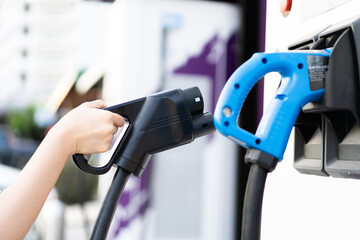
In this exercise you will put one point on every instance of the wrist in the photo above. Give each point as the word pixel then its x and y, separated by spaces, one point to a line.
pixel 62 140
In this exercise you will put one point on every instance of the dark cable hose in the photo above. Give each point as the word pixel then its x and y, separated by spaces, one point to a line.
pixel 109 205
pixel 251 221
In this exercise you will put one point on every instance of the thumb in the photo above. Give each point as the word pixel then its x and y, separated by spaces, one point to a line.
pixel 118 120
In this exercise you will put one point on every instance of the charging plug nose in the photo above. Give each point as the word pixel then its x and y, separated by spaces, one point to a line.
pixel 194 100
pixel 203 124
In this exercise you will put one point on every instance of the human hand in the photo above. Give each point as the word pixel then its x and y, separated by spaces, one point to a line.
pixel 88 129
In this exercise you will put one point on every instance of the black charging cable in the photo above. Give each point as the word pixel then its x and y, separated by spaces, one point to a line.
pixel 261 164
pixel 109 205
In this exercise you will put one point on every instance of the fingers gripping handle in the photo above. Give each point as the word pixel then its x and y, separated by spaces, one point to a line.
pixel 129 111
pixel 276 124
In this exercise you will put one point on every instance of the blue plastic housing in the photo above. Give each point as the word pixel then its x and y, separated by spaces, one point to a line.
pixel 303 75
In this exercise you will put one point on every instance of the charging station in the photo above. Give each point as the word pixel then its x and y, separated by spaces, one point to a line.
pixel 336 154
pixel 325 137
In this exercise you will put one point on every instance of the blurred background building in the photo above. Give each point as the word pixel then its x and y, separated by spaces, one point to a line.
pixel 55 54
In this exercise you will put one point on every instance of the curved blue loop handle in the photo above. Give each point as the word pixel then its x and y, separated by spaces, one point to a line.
pixel 302 73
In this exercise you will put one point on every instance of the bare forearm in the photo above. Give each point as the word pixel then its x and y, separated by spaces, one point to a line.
pixel 21 203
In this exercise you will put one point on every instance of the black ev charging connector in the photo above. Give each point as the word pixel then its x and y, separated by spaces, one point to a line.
pixel 327 133
pixel 156 123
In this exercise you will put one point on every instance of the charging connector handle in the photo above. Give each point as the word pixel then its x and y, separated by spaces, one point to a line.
pixel 157 123
pixel 303 76
pixel 129 111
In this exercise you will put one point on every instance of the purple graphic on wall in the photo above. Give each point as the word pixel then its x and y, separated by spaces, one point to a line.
pixel 216 61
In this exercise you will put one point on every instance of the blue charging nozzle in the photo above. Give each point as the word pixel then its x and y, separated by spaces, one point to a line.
pixel 302 81
pixel 303 75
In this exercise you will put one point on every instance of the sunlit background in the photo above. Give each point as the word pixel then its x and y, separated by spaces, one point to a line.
pixel 56 54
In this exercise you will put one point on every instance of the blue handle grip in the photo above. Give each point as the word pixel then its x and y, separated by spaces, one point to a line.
pixel 303 75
